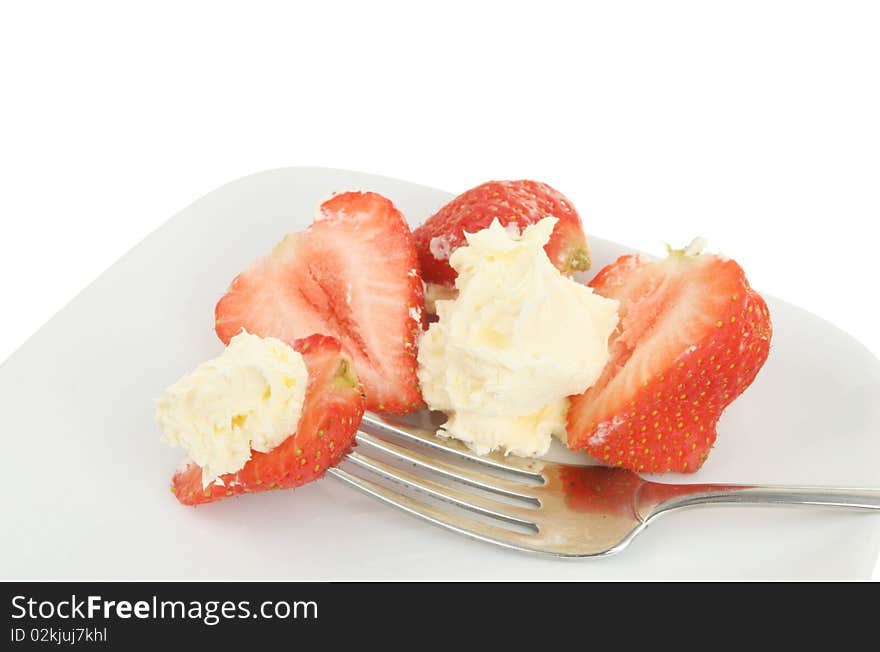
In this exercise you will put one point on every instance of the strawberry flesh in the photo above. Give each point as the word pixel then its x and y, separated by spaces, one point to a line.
pixel 352 274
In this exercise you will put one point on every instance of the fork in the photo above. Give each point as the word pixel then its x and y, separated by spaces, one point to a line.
pixel 538 506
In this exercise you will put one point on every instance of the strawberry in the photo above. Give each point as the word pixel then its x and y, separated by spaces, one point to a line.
pixel 352 274
pixel 332 411
pixel 691 338
pixel 520 203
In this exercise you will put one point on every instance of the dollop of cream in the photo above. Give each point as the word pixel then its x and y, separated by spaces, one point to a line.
pixel 248 398
pixel 518 339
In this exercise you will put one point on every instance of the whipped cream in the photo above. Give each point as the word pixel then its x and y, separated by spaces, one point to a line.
pixel 250 397
pixel 518 339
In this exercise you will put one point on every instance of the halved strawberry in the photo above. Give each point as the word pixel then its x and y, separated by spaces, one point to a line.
pixel 352 274
pixel 692 336
pixel 332 411
pixel 520 203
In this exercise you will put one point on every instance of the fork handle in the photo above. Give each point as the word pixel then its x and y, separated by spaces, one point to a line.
pixel 655 498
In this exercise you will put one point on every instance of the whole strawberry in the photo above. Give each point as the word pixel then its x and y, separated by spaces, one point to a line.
pixel 691 338
pixel 517 203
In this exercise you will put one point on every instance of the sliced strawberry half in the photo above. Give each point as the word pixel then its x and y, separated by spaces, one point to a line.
pixel 519 203
pixel 353 274
pixel 332 410
pixel 692 337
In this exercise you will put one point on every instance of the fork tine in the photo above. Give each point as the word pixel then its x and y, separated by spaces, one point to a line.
pixel 528 469
pixel 455 522
pixel 473 478
pixel 463 499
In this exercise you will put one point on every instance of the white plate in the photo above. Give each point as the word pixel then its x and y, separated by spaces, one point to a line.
pixel 86 479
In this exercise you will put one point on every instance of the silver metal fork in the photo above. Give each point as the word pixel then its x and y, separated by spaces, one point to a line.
pixel 537 506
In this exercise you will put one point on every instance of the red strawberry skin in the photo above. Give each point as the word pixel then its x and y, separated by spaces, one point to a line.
pixel 332 410
pixel 692 337
pixel 353 274
pixel 518 202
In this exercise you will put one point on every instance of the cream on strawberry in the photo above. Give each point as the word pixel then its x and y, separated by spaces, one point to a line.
pixel 515 204
pixel 250 397
pixel 519 338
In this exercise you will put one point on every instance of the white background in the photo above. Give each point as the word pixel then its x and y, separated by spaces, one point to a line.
pixel 754 124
